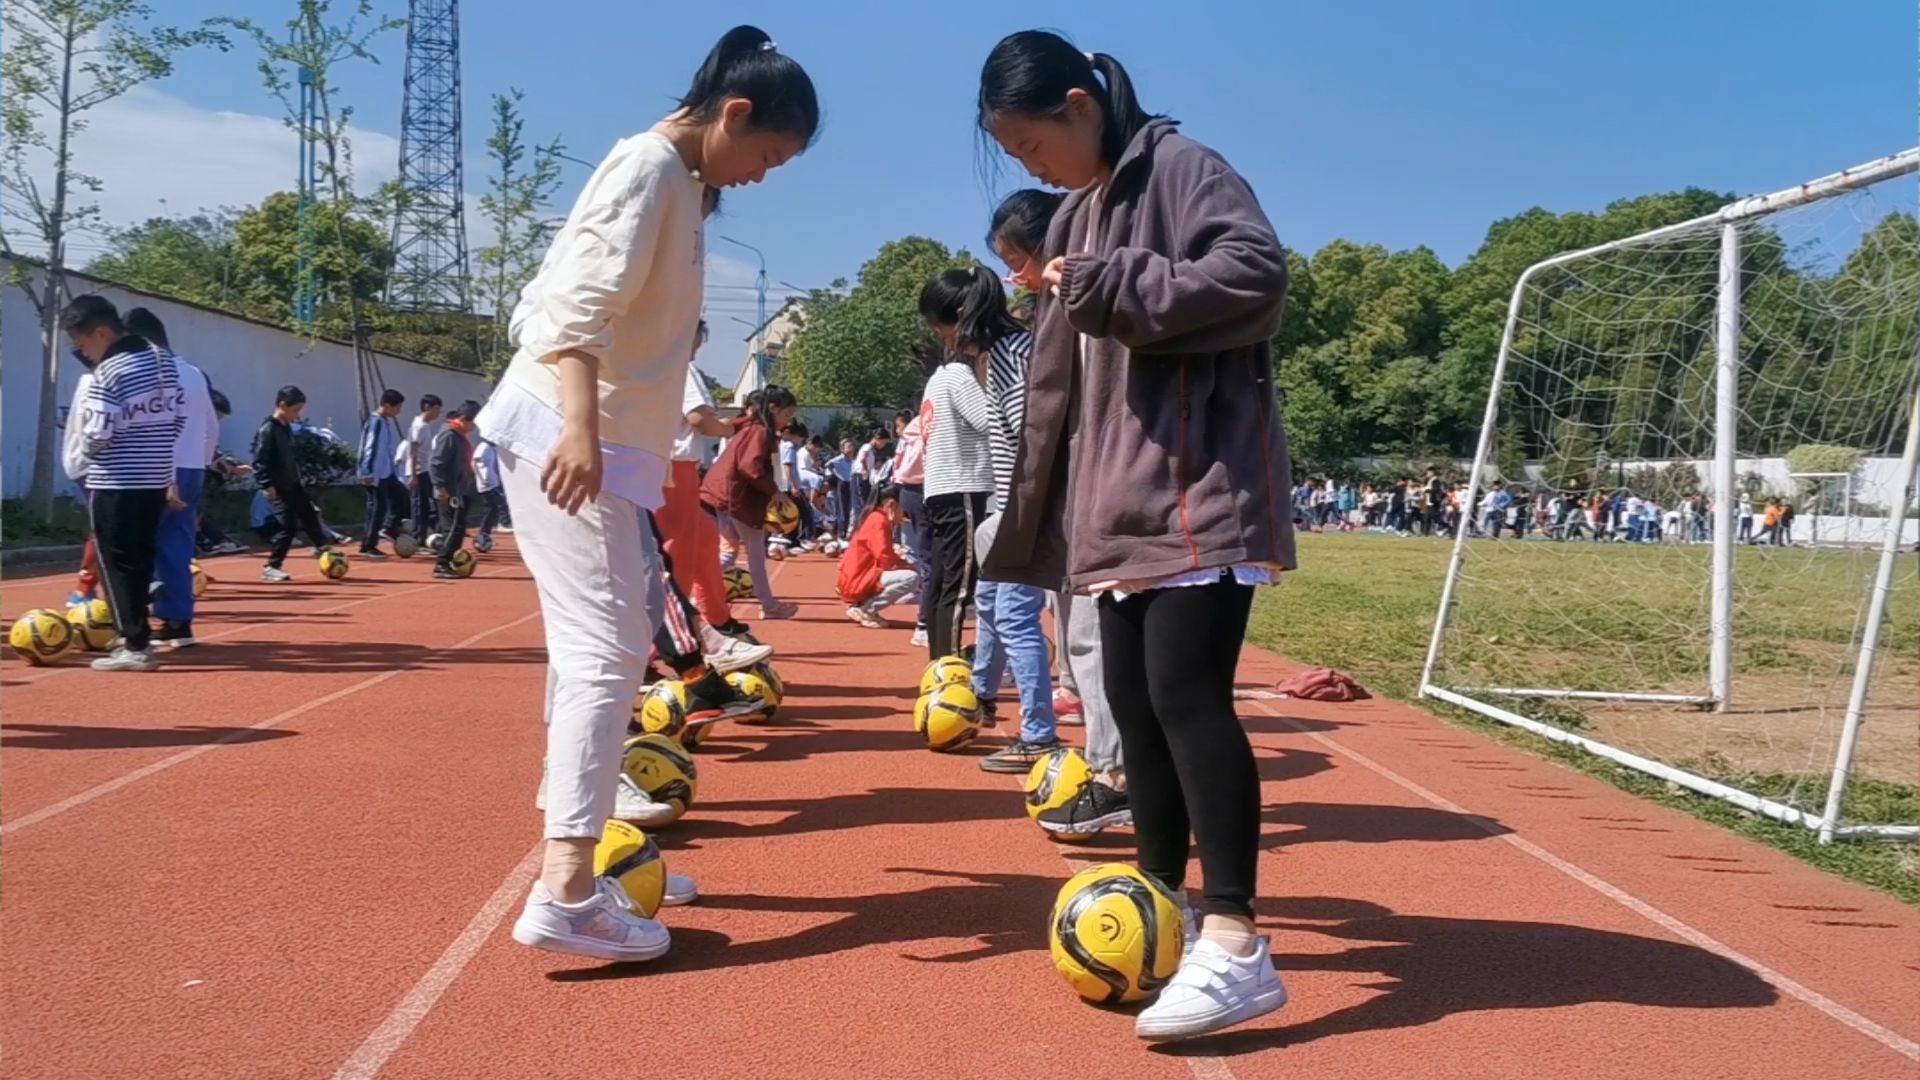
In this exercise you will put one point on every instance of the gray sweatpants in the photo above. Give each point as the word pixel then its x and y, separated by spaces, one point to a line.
pixel 1076 627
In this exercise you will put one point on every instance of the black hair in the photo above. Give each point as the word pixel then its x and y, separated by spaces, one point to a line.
pixel 88 312
pixel 290 395
pixel 710 205
pixel 752 403
pixel 884 493
pixel 797 429
pixel 221 405
pixel 1029 74
pixel 772 399
pixel 1022 218
pixel 467 409
pixel 146 324
pixel 904 416
pixel 745 64
pixel 429 401
pixel 880 433
pixel 392 397
pixel 972 302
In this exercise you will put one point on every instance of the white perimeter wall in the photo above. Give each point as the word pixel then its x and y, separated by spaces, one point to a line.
pixel 248 361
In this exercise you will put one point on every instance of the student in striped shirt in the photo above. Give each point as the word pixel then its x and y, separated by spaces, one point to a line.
pixel 131 423
pixel 968 309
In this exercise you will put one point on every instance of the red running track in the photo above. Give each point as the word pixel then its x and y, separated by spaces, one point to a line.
pixel 296 852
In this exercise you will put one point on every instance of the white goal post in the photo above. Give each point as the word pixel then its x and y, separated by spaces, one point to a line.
pixel 1711 402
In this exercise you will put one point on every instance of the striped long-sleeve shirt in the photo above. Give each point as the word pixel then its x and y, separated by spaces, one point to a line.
pixel 958 457
pixel 134 414
pixel 1007 400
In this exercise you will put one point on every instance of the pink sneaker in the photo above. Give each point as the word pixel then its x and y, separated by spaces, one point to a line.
pixel 1067 708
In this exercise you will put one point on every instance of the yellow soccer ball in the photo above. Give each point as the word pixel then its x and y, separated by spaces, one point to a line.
pixel 333 564
pixel 92 623
pixel 631 858
pixel 201 579
pixel 739 583
pixel 948 718
pixel 1116 935
pixel 662 710
pixel 751 684
pixel 662 768
pixel 1055 779
pixel 782 517
pixel 41 636
pixel 462 562
pixel 945 671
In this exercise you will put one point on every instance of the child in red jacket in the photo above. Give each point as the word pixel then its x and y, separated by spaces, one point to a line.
pixel 872 572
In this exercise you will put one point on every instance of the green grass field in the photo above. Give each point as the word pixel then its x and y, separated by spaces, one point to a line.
pixel 1587 616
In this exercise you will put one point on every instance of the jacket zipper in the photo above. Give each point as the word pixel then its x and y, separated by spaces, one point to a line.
pixel 1180 471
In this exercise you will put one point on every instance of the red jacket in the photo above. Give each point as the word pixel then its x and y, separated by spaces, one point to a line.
pixel 741 482
pixel 869 555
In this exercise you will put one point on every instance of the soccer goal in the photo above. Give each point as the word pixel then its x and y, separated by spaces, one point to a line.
pixel 1713 428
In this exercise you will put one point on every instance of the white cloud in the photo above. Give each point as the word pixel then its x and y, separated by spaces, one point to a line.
pixel 158 155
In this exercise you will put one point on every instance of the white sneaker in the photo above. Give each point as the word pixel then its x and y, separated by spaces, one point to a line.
pixel 681 891
pixel 737 655
pixel 274 573
pixel 630 804
pixel 1213 990
pixel 919 638
pixel 604 927
pixel 125 659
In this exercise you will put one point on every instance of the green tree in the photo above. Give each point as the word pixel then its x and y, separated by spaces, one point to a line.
pixel 515 201
pixel 188 257
pixel 63 59
pixel 302 54
pixel 857 348
pixel 350 257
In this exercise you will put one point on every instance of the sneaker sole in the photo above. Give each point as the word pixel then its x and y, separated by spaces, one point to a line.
pixel 585 946
pixel 1088 828
pixel 995 764
pixel 679 899
pixel 1249 1009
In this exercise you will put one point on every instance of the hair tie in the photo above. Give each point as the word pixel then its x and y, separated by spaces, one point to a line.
pixel 768 46
pixel 1089 57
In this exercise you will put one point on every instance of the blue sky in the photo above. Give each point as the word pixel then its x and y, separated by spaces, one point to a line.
pixel 1392 121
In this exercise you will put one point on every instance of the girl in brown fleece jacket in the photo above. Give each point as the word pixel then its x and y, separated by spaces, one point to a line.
pixel 1163 285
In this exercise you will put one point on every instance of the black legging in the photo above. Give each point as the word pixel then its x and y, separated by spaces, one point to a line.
pixel 1169 656
pixel 954 517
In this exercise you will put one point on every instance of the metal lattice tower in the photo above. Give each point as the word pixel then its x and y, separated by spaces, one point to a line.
pixel 429 226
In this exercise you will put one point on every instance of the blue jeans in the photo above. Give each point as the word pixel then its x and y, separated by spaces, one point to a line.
pixel 1007 633
pixel 174 549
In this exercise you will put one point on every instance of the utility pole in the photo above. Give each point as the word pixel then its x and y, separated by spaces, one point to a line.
pixel 760 306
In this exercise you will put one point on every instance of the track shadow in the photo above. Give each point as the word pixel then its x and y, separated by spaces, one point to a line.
pixel 799 744
pixel 75 737
pixel 1264 724
pixel 1353 823
pixel 1432 968
pixel 830 813
pixel 344 657
pixel 1002 913
pixel 904 693
pixel 831 713
pixel 1280 765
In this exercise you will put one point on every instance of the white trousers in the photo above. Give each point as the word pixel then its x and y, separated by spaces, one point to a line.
pixel 598 574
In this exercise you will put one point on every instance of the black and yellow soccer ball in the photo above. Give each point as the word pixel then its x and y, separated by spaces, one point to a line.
pixel 783 517
pixel 41 636
pixel 1116 935
pixel 752 684
pixel 333 564
pixel 661 767
pixel 92 623
pixel 462 562
pixel 631 858
pixel 661 710
pixel 739 583
pixel 945 671
pixel 948 718
pixel 1055 780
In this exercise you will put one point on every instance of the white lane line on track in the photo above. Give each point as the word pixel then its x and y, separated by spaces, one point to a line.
pixel 1892 1040
pixel 43 676
pixel 144 771
pixel 392 1033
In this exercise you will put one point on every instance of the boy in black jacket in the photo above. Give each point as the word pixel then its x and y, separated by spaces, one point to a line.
pixel 274 470
pixel 451 469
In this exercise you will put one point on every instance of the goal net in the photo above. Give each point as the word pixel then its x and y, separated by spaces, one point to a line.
pixel 1693 483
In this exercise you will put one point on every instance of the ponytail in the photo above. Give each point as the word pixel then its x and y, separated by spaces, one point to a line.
pixel 773 398
pixel 746 64
pixel 1030 73
pixel 973 303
